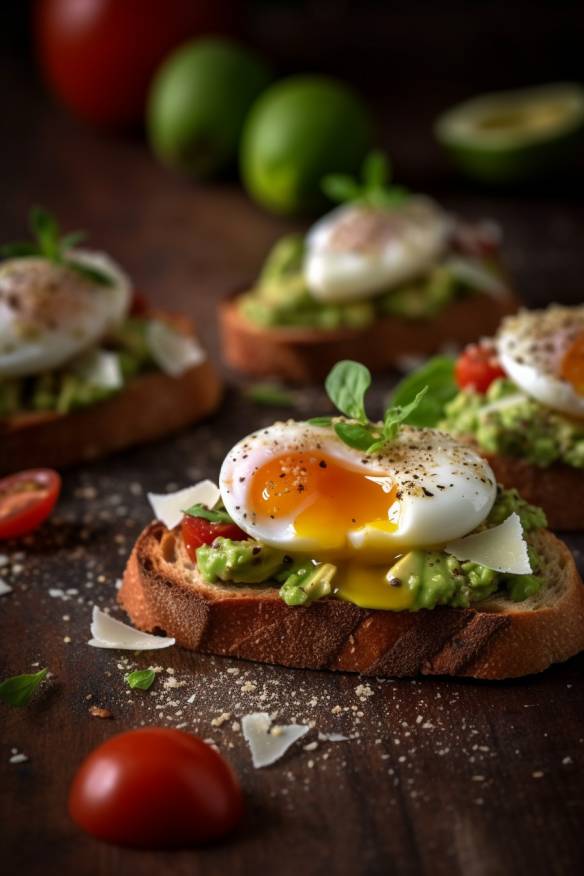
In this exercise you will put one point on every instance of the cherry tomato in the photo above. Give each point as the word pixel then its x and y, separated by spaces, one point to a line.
pixel 139 305
pixel 477 367
pixel 196 531
pixel 155 788
pixel 98 56
pixel 26 499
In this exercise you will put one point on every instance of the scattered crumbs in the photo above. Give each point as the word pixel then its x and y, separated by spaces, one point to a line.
pixel 192 699
pixel 98 712
pixel 221 719
pixel 311 746
pixel 478 778
pixel 567 760
pixel 67 639
pixel 248 687
pixel 537 774
pixel 233 670
pixel 364 691
pixel 336 710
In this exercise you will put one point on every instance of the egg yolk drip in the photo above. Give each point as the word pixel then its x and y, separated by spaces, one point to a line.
pixel 323 498
pixel 572 366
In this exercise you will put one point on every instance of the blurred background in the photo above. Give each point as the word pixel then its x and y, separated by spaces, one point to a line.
pixel 74 75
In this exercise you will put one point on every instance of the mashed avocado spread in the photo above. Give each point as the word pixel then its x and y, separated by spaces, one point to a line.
pixel 71 388
pixel 423 578
pixel 281 296
pixel 505 421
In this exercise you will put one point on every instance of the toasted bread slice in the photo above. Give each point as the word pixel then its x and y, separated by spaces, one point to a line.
pixel 150 406
pixel 163 591
pixel 303 355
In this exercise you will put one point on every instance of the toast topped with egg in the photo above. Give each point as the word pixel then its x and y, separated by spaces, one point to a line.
pixel 86 367
pixel 370 547
pixel 385 276
pixel 519 398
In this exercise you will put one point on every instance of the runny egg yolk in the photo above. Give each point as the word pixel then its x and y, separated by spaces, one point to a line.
pixel 572 367
pixel 322 497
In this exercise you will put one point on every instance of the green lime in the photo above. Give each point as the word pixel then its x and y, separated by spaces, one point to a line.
pixel 198 102
pixel 299 130
pixel 513 135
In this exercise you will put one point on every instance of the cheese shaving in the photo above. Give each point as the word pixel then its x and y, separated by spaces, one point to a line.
pixel 107 632
pixel 100 368
pixel 173 352
pixel 266 743
pixel 502 548
pixel 4 587
pixel 169 507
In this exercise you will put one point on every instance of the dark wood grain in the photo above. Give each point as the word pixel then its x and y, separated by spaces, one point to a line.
pixel 440 777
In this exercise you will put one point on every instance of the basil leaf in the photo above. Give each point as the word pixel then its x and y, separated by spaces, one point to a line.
pixel 19 249
pixel 143 679
pixel 91 273
pixel 270 394
pixel 376 170
pixel 320 421
pixel 390 197
pixel 438 376
pixel 68 241
pixel 396 415
pixel 340 187
pixel 46 231
pixel 213 516
pixel 355 435
pixel 346 386
pixel 18 690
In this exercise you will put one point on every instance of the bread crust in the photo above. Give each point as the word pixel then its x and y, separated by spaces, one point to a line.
pixel 303 355
pixel 150 406
pixel 557 488
pixel 488 643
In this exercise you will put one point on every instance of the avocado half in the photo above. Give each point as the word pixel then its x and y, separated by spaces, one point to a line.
pixel 514 135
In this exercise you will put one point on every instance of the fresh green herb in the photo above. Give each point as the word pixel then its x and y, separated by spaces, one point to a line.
pixel 308 584
pixel 374 189
pixel 346 386
pixel 18 690
pixel 438 376
pixel 270 394
pixel 213 515
pixel 49 244
pixel 143 679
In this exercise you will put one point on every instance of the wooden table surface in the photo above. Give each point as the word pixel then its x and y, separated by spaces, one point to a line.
pixel 438 776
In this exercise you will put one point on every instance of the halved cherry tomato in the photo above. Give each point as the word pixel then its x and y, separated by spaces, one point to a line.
pixel 155 788
pixel 26 499
pixel 196 531
pixel 139 305
pixel 477 367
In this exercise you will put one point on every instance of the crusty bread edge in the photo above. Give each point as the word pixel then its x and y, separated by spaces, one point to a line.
pixel 336 635
pixel 150 406
pixel 303 355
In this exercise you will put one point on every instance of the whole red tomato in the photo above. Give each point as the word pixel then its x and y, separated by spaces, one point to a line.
pixel 155 788
pixel 98 56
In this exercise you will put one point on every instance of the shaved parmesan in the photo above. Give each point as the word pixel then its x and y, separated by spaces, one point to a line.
pixel 502 548
pixel 332 737
pixel 107 632
pixel 266 743
pixel 4 587
pixel 475 275
pixel 169 507
pixel 100 368
pixel 173 352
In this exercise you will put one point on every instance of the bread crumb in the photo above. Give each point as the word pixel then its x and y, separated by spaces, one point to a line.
pixel 98 712
pixel 537 774
pixel 221 719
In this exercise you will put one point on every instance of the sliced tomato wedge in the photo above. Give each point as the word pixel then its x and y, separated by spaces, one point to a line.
pixel 477 367
pixel 196 531
pixel 26 500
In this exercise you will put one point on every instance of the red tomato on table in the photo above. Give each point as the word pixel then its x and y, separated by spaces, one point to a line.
pixel 26 499
pixel 477 367
pixel 98 56
pixel 196 531
pixel 155 788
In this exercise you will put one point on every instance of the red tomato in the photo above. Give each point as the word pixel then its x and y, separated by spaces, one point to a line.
pixel 139 305
pixel 26 499
pixel 196 531
pixel 99 55
pixel 477 367
pixel 155 788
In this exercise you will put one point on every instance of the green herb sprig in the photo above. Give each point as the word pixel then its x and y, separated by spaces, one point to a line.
pixel 346 386
pixel 143 679
pixel 213 515
pixel 374 189
pixel 18 690
pixel 50 244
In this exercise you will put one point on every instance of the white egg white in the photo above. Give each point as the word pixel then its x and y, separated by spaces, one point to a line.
pixel 50 313
pixel 531 346
pixel 355 251
pixel 445 490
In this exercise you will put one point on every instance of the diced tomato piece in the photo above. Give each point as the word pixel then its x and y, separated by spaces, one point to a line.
pixel 477 367
pixel 196 531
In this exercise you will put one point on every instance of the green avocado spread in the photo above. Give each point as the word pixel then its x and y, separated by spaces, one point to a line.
pixel 281 297
pixel 505 421
pixel 425 578
pixel 73 387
